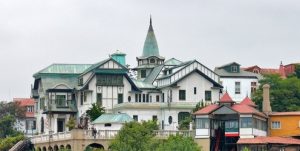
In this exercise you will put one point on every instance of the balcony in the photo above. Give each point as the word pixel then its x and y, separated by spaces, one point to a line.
pixel 59 106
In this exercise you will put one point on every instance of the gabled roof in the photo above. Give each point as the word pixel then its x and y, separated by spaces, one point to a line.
pixel 64 69
pixel 24 101
pixel 228 64
pixel 172 62
pixel 223 73
pixel 245 109
pixel 248 101
pixel 206 110
pixel 226 98
pixel 98 64
pixel 113 118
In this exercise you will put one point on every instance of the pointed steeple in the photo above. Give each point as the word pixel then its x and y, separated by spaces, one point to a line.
pixel 150 45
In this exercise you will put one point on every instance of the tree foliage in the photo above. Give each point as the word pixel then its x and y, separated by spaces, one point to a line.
pixel 178 143
pixel 284 93
pixel 135 136
pixel 7 143
pixel 71 123
pixel 12 108
pixel 95 111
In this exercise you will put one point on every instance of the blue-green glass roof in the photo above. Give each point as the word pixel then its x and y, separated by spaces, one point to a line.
pixel 150 45
pixel 113 118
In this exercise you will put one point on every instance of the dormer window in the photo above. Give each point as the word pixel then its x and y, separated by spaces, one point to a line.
pixel 234 69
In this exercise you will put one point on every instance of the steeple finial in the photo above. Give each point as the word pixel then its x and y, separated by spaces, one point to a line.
pixel 150 20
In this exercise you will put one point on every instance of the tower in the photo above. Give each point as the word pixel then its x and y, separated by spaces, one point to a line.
pixel 150 57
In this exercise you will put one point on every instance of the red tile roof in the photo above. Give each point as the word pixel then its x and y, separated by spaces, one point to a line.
pixel 207 109
pixel 246 109
pixel 248 101
pixel 269 140
pixel 285 113
pixel 25 101
pixel 226 98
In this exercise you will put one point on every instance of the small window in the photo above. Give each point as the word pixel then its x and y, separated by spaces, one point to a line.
pixel 246 122
pixel 276 125
pixel 157 98
pixel 120 98
pixel 207 95
pixel 99 99
pixel 202 123
pixel 129 98
pixel 234 69
pixel 107 125
pixel 253 87
pixel 136 97
pixel 140 97
pixel 80 82
pixel 150 98
pixel 163 97
pixel 237 87
pixel 152 60
pixel 144 97
pixel 154 118
pixel 143 73
pixel 147 97
pixel 170 120
pixel 195 90
pixel 181 94
pixel 135 117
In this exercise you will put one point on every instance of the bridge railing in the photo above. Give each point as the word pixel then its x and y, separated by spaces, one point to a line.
pixel 167 133
pixel 101 134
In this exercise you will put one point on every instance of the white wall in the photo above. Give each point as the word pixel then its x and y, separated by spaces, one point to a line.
pixel 229 85
pixel 114 126
pixel 188 84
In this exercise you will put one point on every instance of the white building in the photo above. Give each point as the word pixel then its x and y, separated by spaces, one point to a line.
pixel 165 91
pixel 237 82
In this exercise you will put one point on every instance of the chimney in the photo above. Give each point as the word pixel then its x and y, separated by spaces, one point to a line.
pixel 266 108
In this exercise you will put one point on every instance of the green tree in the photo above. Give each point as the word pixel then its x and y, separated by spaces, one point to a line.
pixel 179 143
pixel 95 111
pixel 71 123
pixel 135 136
pixel 284 93
pixel 7 143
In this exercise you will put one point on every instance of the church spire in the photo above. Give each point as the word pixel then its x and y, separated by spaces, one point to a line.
pixel 150 45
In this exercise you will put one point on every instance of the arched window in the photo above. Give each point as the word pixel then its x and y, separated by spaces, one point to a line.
pixel 129 98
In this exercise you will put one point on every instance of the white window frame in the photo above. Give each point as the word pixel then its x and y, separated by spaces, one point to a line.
pixel 235 87
pixel 273 122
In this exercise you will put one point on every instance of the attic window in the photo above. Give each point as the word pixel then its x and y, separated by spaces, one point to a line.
pixel 107 125
pixel 234 69
pixel 152 60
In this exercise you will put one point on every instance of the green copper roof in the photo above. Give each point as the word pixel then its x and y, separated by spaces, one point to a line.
pixel 113 118
pixel 65 68
pixel 150 45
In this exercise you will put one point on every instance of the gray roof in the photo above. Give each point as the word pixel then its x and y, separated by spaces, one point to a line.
pixel 153 75
pixel 143 85
pixel 113 118
pixel 228 64
pixel 242 73
pixel 172 62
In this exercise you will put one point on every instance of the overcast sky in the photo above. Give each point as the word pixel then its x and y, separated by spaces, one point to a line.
pixel 37 33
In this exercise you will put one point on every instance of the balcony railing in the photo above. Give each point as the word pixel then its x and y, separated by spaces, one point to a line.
pixel 102 134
